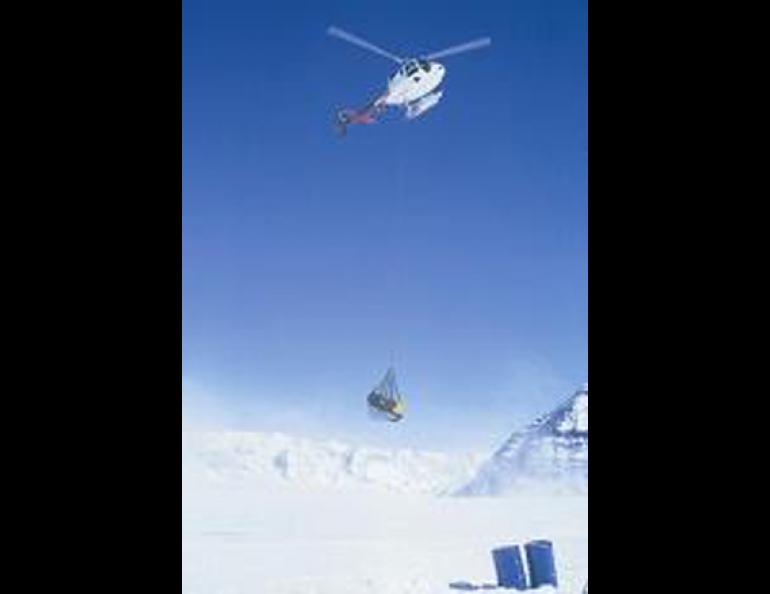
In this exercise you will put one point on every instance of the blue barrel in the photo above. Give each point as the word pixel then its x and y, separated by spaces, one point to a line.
pixel 542 569
pixel 509 568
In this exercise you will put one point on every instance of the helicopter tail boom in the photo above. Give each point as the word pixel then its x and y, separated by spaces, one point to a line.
pixel 366 115
pixel 345 117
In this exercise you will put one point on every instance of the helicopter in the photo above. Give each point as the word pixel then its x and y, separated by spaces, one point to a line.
pixel 413 87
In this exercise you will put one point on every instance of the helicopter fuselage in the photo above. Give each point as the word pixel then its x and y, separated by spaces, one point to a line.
pixel 414 80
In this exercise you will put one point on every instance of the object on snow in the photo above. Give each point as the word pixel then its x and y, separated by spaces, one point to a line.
pixel 540 563
pixel 509 567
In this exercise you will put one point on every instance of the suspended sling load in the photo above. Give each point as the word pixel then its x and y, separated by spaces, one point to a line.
pixel 385 401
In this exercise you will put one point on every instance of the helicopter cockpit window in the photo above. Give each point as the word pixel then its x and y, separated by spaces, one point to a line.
pixel 411 68
pixel 425 65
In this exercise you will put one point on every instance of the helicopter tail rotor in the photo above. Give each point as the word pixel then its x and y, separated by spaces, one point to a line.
pixel 341 120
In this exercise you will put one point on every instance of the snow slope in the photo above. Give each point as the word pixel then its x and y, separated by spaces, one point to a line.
pixel 552 453
pixel 278 461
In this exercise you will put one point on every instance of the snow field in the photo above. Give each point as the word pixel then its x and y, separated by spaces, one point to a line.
pixel 238 542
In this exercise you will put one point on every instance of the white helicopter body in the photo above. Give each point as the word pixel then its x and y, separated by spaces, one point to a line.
pixel 415 79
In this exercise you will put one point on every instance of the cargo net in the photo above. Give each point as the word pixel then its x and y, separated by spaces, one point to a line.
pixel 385 401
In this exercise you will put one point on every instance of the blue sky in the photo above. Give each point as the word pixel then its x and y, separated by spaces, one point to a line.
pixel 455 244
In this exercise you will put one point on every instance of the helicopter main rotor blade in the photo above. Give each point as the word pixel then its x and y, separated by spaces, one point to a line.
pixel 458 49
pixel 336 32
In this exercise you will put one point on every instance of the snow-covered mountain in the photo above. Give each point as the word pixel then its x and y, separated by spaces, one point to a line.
pixel 270 461
pixel 552 451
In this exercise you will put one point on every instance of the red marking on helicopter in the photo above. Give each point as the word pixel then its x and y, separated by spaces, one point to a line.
pixel 365 115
